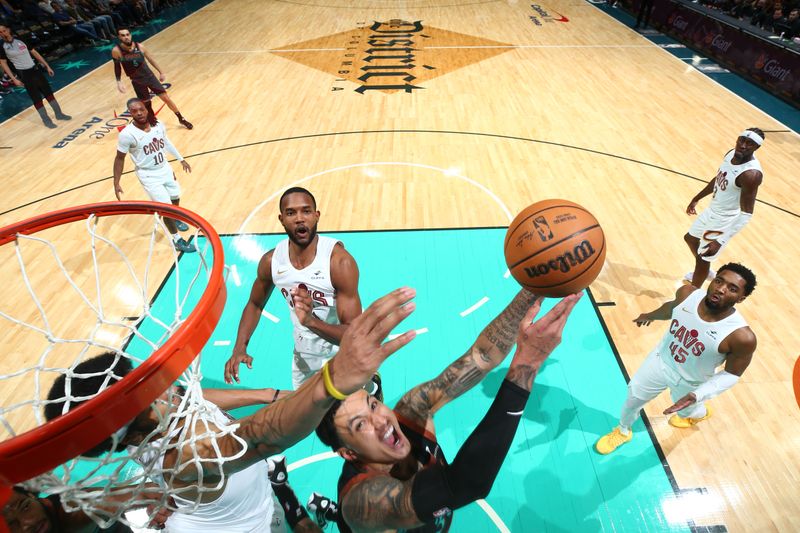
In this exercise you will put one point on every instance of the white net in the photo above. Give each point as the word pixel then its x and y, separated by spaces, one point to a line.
pixel 116 286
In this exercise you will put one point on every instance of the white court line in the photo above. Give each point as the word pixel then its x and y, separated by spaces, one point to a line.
pixel 235 275
pixel 493 516
pixel 483 504
pixel 475 306
pixel 419 331
pixel 456 47
pixel 706 76
pixel 222 343
pixel 270 316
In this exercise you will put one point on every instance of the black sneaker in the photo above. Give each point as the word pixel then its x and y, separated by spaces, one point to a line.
pixel 181 225
pixel 49 123
pixel 62 116
pixel 182 246
pixel 276 470
pixel 185 123
pixel 325 510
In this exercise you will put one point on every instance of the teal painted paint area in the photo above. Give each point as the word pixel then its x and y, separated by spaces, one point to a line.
pixel 552 480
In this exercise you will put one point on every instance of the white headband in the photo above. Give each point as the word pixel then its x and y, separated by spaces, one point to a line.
pixel 753 136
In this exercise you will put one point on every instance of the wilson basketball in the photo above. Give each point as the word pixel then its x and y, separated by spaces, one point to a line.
pixel 555 248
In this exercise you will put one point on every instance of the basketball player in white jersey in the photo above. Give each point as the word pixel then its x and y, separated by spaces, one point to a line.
pixel 233 473
pixel 734 188
pixel 317 277
pixel 705 331
pixel 147 146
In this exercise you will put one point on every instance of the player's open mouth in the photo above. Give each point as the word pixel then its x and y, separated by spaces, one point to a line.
pixel 391 438
pixel 714 298
pixel 301 231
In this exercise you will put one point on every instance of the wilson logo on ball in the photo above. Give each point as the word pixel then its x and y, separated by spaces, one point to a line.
pixel 564 262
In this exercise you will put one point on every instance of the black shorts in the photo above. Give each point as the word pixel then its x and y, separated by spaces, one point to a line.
pixel 143 86
pixel 35 83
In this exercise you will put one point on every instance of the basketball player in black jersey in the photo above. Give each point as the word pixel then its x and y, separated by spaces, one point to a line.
pixel 132 57
pixel 396 476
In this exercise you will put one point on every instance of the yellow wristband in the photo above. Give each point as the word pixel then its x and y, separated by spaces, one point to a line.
pixel 326 379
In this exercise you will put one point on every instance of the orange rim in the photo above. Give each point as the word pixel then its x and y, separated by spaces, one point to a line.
pixel 796 381
pixel 47 446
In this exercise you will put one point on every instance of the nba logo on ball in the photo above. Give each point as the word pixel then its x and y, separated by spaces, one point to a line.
pixel 555 248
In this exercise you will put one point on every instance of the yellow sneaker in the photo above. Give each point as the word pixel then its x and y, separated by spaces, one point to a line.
pixel 612 441
pixel 680 422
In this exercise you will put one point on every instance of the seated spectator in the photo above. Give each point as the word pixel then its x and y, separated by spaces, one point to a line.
pixel 101 25
pixel 762 14
pixel 778 23
pixel 68 23
pixel 789 27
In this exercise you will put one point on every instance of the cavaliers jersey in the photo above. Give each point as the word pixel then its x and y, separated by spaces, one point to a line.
pixel 316 277
pixel 727 194
pixel 427 452
pixel 690 345
pixel 245 505
pixel 133 63
pixel 147 148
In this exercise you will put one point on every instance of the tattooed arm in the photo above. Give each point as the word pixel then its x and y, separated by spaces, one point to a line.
pixel 382 502
pixel 491 347
pixel 378 503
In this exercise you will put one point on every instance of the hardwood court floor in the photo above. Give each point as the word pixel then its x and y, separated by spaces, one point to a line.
pixel 508 110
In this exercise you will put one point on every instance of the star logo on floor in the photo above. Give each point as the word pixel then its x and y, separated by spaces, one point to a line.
pixel 73 65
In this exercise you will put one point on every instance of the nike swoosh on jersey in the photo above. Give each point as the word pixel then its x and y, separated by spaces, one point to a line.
pixel 515 413
pixel 284 271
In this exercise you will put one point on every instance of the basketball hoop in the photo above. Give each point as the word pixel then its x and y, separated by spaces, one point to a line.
pixel 37 451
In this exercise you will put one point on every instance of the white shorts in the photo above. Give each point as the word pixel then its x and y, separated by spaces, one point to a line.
pixel 708 227
pixel 160 185
pixel 305 365
pixel 654 376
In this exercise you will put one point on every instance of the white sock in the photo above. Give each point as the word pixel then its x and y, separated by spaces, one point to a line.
pixel 176 237
pixel 625 431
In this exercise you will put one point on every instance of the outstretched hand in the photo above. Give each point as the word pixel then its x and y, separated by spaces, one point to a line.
pixel 362 349
pixel 537 340
pixel 681 404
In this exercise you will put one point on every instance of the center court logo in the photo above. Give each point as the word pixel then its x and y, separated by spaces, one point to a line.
pixel 542 16
pixel 391 56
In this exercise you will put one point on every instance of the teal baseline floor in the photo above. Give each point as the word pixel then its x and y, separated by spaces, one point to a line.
pixel 552 479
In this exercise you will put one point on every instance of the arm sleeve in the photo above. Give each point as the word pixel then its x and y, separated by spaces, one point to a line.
pixel 716 385
pixel 117 69
pixel 471 475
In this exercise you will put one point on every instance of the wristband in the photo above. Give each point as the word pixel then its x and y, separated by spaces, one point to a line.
pixel 329 388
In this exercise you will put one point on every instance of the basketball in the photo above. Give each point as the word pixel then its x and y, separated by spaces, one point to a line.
pixel 555 248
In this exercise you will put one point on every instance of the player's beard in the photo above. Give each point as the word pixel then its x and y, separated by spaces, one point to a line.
pixel 312 232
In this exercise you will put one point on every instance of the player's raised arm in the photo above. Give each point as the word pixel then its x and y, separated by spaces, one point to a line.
pixel 381 502
pixel 665 311
pixel 278 426
pixel 489 349
pixel 259 294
